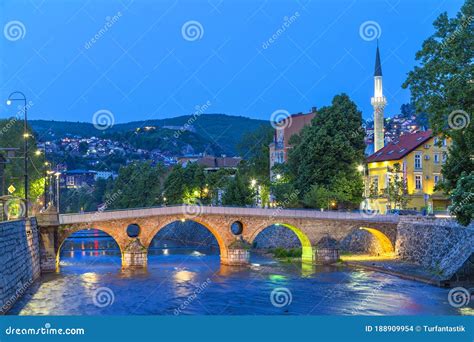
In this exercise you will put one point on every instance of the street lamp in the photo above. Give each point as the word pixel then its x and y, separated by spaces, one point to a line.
pixel 50 191
pixel 57 174
pixel 47 175
pixel 19 96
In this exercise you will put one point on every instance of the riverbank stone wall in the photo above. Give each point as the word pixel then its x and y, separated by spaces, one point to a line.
pixel 442 246
pixel 19 260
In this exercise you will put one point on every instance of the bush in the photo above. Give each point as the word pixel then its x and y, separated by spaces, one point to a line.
pixel 282 253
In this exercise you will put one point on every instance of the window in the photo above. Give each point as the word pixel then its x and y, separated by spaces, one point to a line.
pixel 436 140
pixel 70 180
pixel 436 179
pixel 436 158
pixel 375 184
pixel 418 161
pixel 445 142
pixel 445 156
pixel 418 183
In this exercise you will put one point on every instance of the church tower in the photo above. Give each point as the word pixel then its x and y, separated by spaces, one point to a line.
pixel 378 101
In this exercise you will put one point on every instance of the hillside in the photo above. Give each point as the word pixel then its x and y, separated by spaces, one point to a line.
pixel 224 131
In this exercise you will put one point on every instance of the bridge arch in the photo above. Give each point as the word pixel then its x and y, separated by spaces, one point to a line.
pixel 67 233
pixel 155 229
pixel 385 244
pixel 307 254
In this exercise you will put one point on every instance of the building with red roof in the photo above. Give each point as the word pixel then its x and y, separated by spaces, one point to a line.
pixel 418 157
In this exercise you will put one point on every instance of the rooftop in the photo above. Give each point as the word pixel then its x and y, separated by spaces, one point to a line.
pixel 401 147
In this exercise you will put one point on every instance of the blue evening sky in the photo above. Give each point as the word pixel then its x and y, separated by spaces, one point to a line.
pixel 142 67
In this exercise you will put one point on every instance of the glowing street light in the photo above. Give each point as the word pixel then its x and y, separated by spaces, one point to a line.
pixel 360 168
pixel 58 175
pixel 19 96
pixel 278 176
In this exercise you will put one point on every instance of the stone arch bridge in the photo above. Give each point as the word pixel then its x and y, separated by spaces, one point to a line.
pixel 309 225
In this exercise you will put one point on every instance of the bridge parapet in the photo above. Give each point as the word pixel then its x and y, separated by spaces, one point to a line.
pixel 233 211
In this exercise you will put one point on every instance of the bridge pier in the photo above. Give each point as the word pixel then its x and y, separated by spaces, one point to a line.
pixel 48 224
pixel 308 256
pixel 134 255
pixel 236 257
pixel 327 251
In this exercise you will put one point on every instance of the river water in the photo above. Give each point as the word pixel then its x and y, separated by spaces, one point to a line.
pixel 191 281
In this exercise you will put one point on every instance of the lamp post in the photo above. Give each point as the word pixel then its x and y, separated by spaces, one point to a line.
pixel 47 166
pixel 19 96
pixel 58 188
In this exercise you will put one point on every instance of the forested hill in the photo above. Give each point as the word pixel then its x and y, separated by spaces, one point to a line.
pixel 220 129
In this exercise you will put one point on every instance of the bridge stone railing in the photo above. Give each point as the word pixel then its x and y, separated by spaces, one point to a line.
pixel 234 211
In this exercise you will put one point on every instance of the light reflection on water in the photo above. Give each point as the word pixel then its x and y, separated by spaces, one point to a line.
pixel 193 281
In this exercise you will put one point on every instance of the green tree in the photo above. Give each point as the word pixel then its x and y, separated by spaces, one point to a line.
pixel 11 136
pixel 254 147
pixel 137 185
pixel 463 199
pixel 174 186
pixel 442 87
pixel 347 188
pixel 396 191
pixel 238 191
pixel 330 148
pixel 218 181
pixel 319 197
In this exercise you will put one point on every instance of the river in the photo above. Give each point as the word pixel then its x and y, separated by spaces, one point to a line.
pixel 191 281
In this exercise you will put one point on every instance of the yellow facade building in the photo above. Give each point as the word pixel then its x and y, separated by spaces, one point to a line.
pixel 420 159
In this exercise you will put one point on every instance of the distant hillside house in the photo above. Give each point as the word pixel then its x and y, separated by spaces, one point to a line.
pixel 420 160
pixel 74 179
pixel 288 127
pixel 105 175
pixel 211 163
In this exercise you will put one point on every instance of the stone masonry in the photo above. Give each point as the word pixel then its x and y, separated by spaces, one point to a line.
pixel 309 226
pixel 19 260
pixel 442 246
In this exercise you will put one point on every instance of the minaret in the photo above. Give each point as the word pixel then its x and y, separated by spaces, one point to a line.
pixel 378 101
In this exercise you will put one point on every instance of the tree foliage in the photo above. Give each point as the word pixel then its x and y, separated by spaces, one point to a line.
pixel 238 192
pixel 137 185
pixel 442 86
pixel 11 136
pixel 463 199
pixel 328 151
pixel 396 191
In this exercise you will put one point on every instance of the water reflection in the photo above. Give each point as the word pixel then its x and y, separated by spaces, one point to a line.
pixel 193 280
